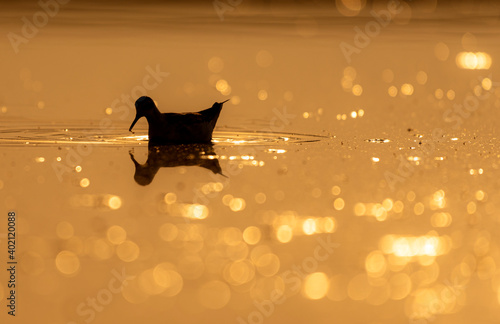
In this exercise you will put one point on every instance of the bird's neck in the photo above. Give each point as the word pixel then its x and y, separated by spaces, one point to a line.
pixel 154 116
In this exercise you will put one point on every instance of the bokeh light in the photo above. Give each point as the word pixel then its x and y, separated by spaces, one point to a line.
pixel 316 285
pixel 215 65
pixel 442 51
pixel 116 234
pixel 252 235
pixel 84 183
pixel 473 60
pixel 67 263
pixel 128 251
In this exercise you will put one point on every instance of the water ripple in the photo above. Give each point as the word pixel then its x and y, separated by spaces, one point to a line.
pixel 53 135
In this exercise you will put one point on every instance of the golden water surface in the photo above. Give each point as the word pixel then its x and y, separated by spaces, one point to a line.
pixel 353 175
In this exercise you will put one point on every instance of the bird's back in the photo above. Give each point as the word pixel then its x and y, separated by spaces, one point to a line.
pixel 176 128
pixel 185 127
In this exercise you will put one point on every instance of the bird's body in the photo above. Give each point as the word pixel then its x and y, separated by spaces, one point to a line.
pixel 175 128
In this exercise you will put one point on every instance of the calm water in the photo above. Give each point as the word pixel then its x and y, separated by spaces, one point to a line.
pixel 351 179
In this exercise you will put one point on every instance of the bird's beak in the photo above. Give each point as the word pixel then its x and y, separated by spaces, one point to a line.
pixel 137 117
pixel 224 101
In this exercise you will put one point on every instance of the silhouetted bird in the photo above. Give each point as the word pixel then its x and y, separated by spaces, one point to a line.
pixel 173 128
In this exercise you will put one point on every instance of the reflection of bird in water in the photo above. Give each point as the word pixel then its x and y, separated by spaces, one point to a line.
pixel 172 128
pixel 202 155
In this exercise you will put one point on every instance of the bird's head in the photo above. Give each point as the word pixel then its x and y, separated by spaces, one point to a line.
pixel 144 106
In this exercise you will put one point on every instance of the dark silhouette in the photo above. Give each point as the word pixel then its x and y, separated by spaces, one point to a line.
pixel 172 128
pixel 167 156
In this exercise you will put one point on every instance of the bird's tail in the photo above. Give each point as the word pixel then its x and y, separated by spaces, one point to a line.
pixel 212 113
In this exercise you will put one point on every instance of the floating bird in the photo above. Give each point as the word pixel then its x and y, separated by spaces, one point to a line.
pixel 173 128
